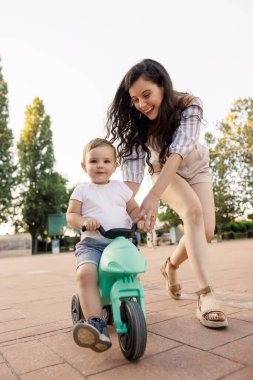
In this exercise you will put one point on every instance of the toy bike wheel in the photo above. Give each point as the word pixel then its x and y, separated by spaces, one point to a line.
pixel 133 343
pixel 107 314
pixel 76 311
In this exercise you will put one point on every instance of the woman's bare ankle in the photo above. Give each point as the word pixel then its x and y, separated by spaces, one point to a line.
pixel 171 270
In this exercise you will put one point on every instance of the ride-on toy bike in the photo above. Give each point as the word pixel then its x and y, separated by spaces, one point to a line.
pixel 121 292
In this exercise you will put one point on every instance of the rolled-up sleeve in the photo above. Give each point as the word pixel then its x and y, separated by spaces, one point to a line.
pixel 133 168
pixel 187 134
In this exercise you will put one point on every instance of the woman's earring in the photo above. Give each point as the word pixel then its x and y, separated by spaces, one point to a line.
pixel 131 103
pixel 140 115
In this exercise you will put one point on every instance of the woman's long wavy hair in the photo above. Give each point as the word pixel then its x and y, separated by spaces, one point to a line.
pixel 130 129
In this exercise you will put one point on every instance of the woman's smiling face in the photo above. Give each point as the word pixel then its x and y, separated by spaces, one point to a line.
pixel 146 97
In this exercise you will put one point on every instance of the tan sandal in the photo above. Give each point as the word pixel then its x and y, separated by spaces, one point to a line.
pixel 207 307
pixel 172 289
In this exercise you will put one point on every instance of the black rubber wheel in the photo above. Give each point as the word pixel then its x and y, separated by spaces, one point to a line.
pixel 107 314
pixel 76 311
pixel 133 343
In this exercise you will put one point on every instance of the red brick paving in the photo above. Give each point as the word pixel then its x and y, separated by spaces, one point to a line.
pixel 35 323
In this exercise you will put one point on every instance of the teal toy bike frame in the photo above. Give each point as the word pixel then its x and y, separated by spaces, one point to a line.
pixel 121 292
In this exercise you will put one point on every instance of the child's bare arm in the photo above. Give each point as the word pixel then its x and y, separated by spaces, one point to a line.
pixel 73 215
pixel 132 210
pixel 75 218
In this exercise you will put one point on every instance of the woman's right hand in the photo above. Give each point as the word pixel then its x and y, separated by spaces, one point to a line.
pixel 91 224
pixel 148 211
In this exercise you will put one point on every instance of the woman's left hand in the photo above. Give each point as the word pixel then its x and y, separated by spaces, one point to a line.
pixel 148 211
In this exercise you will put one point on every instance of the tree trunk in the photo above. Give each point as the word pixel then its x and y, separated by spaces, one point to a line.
pixel 34 244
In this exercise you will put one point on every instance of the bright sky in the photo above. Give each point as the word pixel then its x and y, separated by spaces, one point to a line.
pixel 74 53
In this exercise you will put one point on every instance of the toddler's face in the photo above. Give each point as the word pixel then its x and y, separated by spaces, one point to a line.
pixel 100 164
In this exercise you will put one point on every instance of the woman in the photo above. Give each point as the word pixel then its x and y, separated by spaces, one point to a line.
pixel 155 125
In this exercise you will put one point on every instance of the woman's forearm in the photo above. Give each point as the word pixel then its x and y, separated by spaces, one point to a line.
pixel 167 174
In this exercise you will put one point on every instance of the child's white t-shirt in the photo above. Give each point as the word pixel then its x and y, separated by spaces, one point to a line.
pixel 107 203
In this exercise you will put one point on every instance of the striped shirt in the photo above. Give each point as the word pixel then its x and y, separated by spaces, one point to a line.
pixel 184 140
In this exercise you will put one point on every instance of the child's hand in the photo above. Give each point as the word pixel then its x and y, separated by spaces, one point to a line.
pixel 91 224
pixel 140 225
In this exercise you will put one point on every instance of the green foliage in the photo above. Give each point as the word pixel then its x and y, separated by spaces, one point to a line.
pixel 7 167
pixel 166 214
pixel 35 148
pixel 43 190
pixel 231 160
pixel 240 226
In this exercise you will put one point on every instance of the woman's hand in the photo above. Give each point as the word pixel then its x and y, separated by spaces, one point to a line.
pixel 148 211
pixel 149 207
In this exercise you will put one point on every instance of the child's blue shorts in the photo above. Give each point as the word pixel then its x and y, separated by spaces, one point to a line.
pixel 90 250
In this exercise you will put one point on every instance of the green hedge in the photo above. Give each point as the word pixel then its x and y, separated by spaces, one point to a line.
pixel 242 226
pixel 236 235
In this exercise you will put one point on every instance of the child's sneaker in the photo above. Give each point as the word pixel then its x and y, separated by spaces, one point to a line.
pixel 93 334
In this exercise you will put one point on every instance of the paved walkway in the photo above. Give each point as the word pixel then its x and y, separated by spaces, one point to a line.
pixel 35 324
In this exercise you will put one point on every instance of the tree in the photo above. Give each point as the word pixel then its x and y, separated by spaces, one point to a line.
pixel 231 159
pixel 7 167
pixel 43 190
pixel 226 206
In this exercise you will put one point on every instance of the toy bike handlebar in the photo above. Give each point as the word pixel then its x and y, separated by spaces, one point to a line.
pixel 115 232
